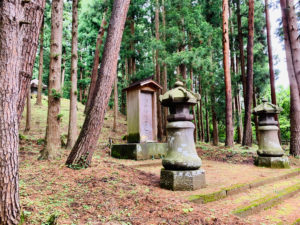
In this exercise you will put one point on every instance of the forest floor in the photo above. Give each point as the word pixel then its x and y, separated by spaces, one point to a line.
pixel 115 191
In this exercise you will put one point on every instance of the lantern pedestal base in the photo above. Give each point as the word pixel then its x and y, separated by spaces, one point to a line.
pixel 272 162
pixel 186 180
pixel 139 151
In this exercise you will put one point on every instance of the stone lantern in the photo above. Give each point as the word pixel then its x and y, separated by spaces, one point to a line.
pixel 270 153
pixel 182 164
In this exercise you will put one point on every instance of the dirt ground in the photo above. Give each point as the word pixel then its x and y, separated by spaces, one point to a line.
pixel 115 191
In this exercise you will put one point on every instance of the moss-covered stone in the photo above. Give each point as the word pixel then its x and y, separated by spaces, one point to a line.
pixel 139 151
pixel 267 201
pixel 187 180
pixel 273 162
pixel 205 198
pixel 297 222
pixel 133 138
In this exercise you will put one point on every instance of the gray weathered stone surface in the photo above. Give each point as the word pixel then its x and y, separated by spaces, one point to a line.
pixel 182 153
pixel 139 151
pixel 187 180
pixel 273 162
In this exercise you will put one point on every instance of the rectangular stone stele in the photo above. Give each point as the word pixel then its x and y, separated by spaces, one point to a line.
pixel 188 180
pixel 139 151
pixel 273 162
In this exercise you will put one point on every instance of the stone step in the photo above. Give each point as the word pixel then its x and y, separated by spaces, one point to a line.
pixel 267 201
pixel 226 205
pixel 287 212
pixel 238 188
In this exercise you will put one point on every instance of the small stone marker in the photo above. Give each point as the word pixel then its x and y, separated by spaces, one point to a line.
pixel 141 123
pixel 270 153
pixel 182 164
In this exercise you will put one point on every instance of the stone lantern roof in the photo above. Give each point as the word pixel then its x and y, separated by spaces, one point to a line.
pixel 266 108
pixel 179 95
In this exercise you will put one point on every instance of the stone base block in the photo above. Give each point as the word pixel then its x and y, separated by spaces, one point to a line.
pixel 139 151
pixel 187 180
pixel 272 162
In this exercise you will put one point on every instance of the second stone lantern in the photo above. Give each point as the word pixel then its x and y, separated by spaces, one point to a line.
pixel 182 164
pixel 270 153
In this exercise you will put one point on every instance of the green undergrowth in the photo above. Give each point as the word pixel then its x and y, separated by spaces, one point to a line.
pixel 267 201
pixel 297 222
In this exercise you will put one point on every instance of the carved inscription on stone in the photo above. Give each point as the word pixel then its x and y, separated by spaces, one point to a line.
pixel 146 117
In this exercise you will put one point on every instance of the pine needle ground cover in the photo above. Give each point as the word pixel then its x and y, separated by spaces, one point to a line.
pixel 115 191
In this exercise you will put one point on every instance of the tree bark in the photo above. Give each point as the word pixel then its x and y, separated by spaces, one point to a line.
pixel 214 121
pixel 207 138
pixel 10 42
pixel 63 71
pixel 255 117
pixel 241 47
pixel 96 62
pixel 52 146
pixel 247 136
pixel 157 75
pixel 239 119
pixel 72 132
pixel 32 21
pixel 165 70
pixel 227 76
pixel 28 111
pixel 41 64
pixel 294 85
pixel 116 104
pixel 82 152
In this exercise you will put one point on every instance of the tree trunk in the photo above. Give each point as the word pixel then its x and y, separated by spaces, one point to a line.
pixel 82 152
pixel 294 85
pixel 116 104
pixel 239 119
pixel 255 117
pixel 247 137
pixel 52 146
pixel 28 110
pixel 207 138
pixel 215 122
pixel 202 136
pixel 72 132
pixel 41 64
pixel 62 79
pixel 165 71
pixel 157 75
pixel 227 76
pixel 32 21
pixel 96 63
pixel 241 47
pixel 10 42
pixel 80 88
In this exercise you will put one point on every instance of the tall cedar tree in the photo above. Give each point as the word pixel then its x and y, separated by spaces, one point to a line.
pixel 72 132
pixel 82 152
pixel 28 111
pixel 33 17
pixel 241 46
pixel 292 49
pixel 157 74
pixel 165 70
pixel 96 63
pixel 247 137
pixel 269 40
pixel 52 146
pixel 116 104
pixel 41 64
pixel 227 76
pixel 10 43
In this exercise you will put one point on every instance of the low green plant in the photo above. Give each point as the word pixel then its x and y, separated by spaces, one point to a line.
pixel 56 94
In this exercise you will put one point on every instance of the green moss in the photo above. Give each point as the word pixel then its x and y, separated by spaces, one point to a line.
pixel 205 198
pixel 235 186
pixel 268 200
pixel 297 222
pixel 133 138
